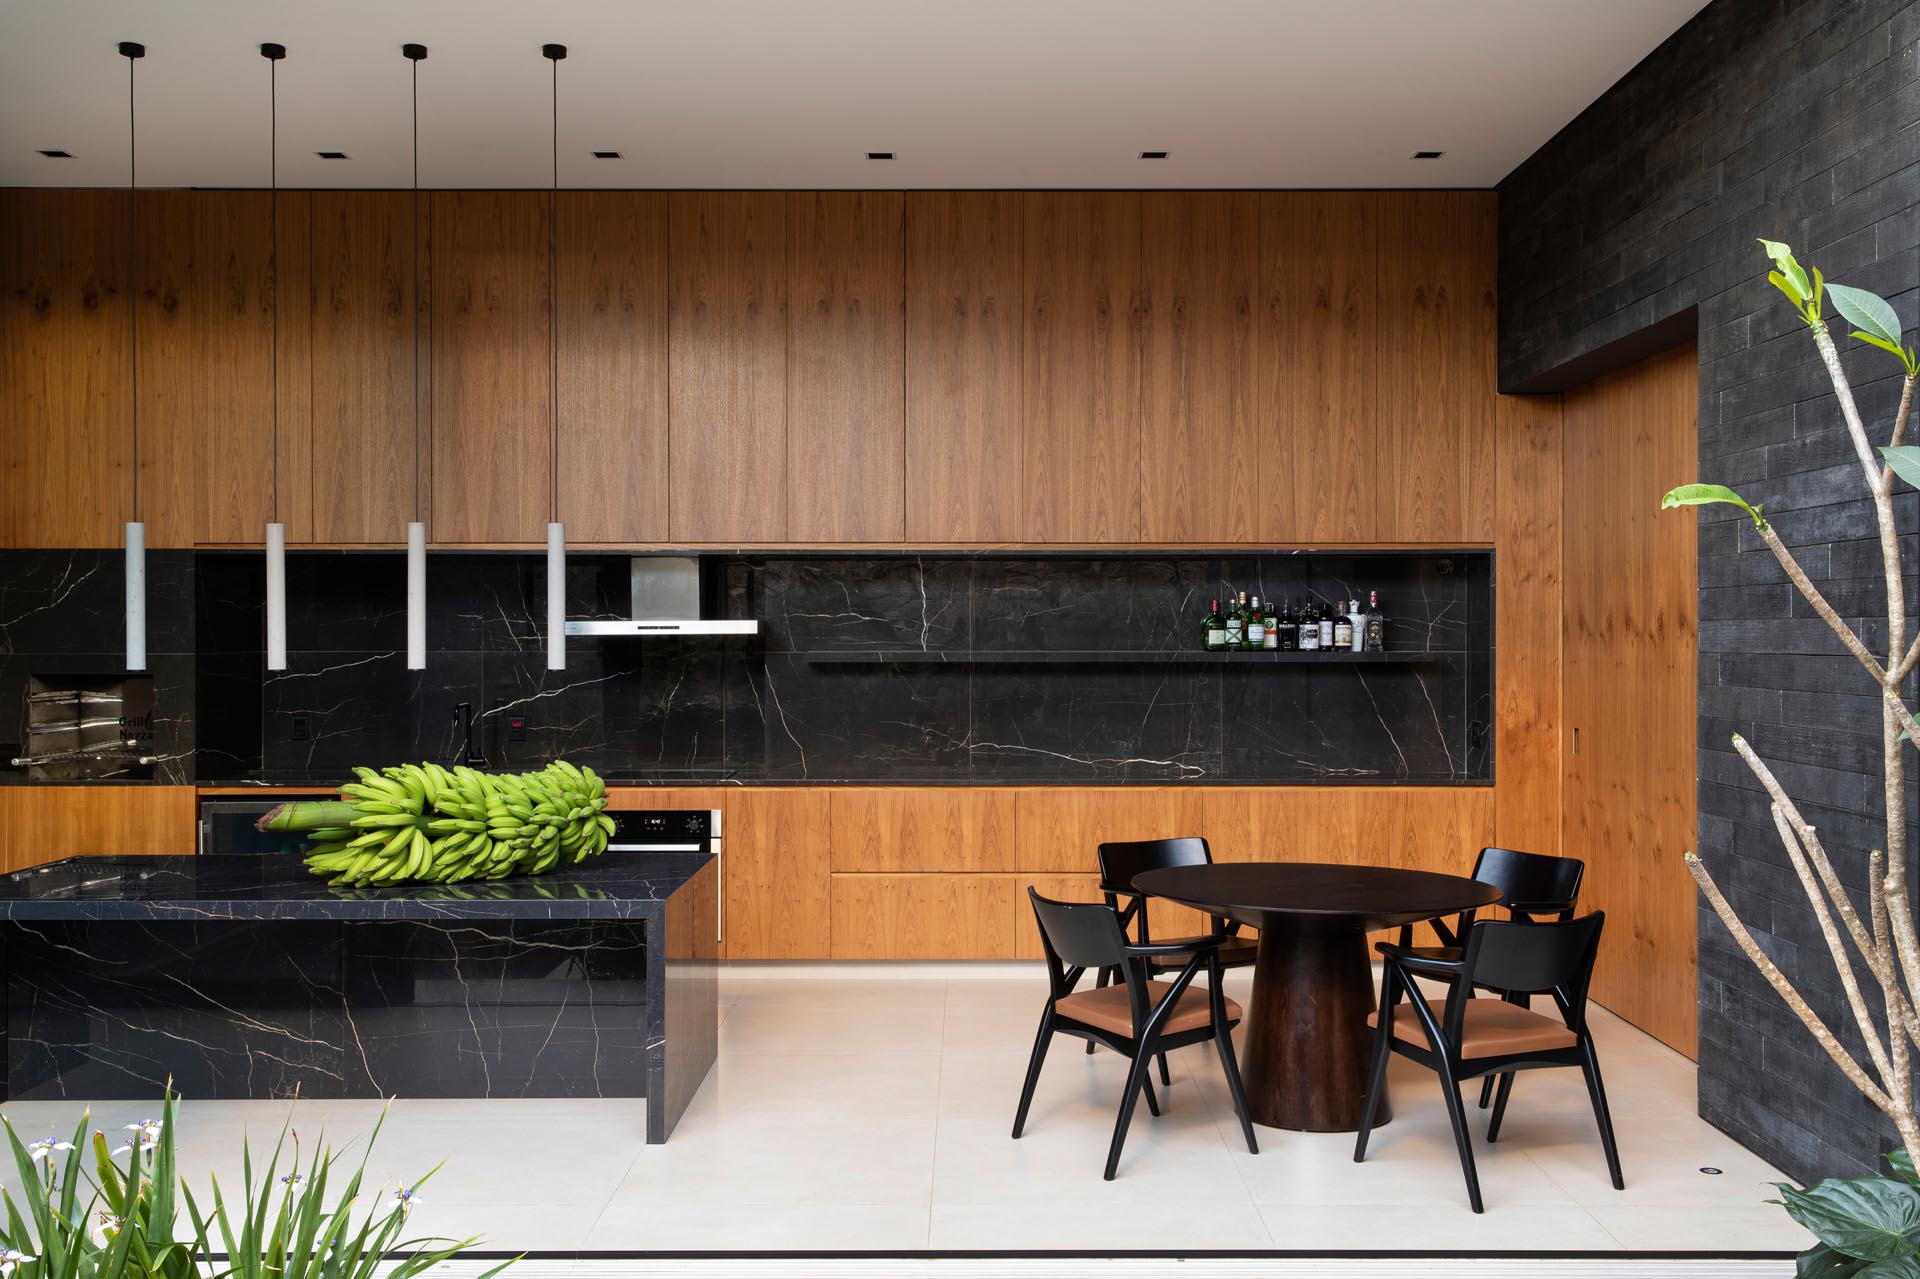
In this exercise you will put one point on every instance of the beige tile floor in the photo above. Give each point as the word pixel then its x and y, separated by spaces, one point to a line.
pixel 868 1109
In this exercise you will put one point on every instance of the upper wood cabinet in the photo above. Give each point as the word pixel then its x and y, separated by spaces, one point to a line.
pixel 1319 328
pixel 963 374
pixel 846 367
pixel 67 449
pixel 727 317
pixel 1086 319
pixel 362 445
pixel 493 442
pixel 1198 448
pixel 613 366
pixel 1436 367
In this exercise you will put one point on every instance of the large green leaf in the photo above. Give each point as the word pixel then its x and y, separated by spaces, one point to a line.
pixel 1901 1161
pixel 1822 1262
pixel 1867 311
pixel 1708 495
pixel 1791 272
pixel 1874 1218
pixel 1905 1267
pixel 1905 461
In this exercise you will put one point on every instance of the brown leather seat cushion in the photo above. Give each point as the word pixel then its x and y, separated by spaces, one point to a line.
pixel 1493 1028
pixel 1110 1008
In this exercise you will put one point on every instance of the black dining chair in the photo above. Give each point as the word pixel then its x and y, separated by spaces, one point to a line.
pixel 1461 1037
pixel 1138 1017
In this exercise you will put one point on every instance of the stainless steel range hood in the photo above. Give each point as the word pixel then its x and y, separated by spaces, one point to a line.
pixel 665 591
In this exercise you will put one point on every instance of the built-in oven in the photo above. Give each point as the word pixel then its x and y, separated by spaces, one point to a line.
pixel 675 830
pixel 226 822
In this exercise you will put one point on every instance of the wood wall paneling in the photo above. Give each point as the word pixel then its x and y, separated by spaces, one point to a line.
pixel 612 295
pixel 1198 446
pixel 1436 366
pixel 361 449
pixel 65 468
pixel 1631 623
pixel 924 916
pixel 1318 345
pixel 1526 674
pixel 1085 347
pixel 897 828
pixel 963 366
pixel 778 855
pixel 293 450
pixel 47 823
pixel 492 373
pixel 727 308
pixel 846 367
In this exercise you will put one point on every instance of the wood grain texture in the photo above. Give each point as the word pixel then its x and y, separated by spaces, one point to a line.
pixel 66 448
pixel 923 917
pixel 1198 445
pixel 293 469
pixel 891 828
pixel 362 456
pixel 47 823
pixel 1421 828
pixel 1526 677
pixel 492 373
pixel 963 366
pixel 846 366
pixel 1631 623
pixel 612 295
pixel 1085 342
pixel 1060 828
pixel 1436 366
pixel 727 309
pixel 1318 342
pixel 778 855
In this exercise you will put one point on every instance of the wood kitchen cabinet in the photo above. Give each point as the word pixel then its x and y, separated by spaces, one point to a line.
pixel 44 823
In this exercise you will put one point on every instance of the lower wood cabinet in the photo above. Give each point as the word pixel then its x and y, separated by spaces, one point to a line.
pixel 923 916
pixel 40 824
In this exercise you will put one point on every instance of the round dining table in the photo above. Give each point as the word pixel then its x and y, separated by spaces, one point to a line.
pixel 1308 1045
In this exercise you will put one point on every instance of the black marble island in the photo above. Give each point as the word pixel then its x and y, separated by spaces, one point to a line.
pixel 246 976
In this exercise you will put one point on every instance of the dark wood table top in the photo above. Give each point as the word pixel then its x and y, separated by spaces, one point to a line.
pixel 1261 894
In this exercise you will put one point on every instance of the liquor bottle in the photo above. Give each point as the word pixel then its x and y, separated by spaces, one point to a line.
pixel 1376 624
pixel 1256 626
pixel 1273 628
pixel 1310 628
pixel 1326 626
pixel 1236 623
pixel 1289 629
pixel 1214 630
pixel 1358 623
pixel 1342 628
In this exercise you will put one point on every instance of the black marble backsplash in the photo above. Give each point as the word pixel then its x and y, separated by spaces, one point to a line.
pixel 786 706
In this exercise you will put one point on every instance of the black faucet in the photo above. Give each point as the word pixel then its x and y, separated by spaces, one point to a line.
pixel 463 720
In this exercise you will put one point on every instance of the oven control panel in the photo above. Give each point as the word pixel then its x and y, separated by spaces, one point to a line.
pixel 665 825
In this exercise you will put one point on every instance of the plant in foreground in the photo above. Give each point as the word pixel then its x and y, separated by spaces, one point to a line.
pixel 1867 1226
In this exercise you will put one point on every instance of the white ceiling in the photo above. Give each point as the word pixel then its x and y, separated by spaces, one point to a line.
pixel 792 93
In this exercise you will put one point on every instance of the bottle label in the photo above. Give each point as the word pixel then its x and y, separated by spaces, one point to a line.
pixel 1216 636
pixel 1343 635
pixel 1273 639
pixel 1326 634
pixel 1257 632
pixel 1309 637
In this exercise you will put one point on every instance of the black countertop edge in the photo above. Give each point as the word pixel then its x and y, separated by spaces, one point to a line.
pixel 909 783
pixel 1201 552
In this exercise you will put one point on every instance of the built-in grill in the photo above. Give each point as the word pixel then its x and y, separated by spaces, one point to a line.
pixel 84 727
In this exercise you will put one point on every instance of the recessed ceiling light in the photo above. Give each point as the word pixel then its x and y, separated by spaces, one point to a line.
pixel 1428 155
pixel 331 155
pixel 58 155
pixel 1153 155
pixel 606 155
pixel 879 155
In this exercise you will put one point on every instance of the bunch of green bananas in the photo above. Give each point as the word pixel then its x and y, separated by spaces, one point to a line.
pixel 423 823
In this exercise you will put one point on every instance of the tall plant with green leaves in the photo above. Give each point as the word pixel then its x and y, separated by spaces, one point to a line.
pixel 1867 1226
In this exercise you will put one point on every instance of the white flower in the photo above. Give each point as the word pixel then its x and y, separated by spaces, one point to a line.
pixel 147 1133
pixel 293 1181
pixel 105 1227
pixel 12 1258
pixel 41 1149
pixel 404 1199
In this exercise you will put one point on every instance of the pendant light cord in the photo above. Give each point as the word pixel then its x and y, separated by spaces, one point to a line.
pixel 553 293
pixel 133 286
pixel 415 272
pixel 273 256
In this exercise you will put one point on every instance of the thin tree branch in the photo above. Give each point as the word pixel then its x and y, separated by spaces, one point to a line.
pixel 1813 596
pixel 1900 414
pixel 1900 916
pixel 1849 411
pixel 1898 1026
pixel 1783 806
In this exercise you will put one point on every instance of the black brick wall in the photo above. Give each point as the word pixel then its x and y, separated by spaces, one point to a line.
pixel 1798 120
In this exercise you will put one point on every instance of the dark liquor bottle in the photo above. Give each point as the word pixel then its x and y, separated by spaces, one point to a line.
pixel 1376 624
pixel 1256 626
pixel 1236 623
pixel 1310 628
pixel 1343 625
pixel 1289 629
pixel 1325 623
pixel 1214 630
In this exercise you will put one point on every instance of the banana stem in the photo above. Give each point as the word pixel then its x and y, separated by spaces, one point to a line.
pixel 308 816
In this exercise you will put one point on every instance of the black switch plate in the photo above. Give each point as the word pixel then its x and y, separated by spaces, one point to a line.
pixel 300 729
pixel 516 729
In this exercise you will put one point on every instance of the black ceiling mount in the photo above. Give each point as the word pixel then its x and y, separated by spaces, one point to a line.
pixel 1428 155
pixel 554 51
pixel 418 52
pixel 1153 155
pixel 879 155
pixel 131 49
pixel 606 155
pixel 58 155
pixel 273 51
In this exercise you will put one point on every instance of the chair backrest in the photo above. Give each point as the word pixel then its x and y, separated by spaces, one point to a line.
pixel 1529 959
pixel 1121 860
pixel 1530 877
pixel 1079 934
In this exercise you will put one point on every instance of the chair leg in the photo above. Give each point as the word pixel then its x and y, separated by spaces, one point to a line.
pixel 1376 1084
pixel 1153 1100
pixel 1033 1069
pixel 1099 979
pixel 1457 1114
pixel 1590 1066
pixel 1486 1091
pixel 1136 1080
pixel 1223 1044
pixel 1165 1080
pixel 1500 1104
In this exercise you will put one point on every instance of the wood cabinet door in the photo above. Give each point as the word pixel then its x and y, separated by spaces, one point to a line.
pixel 727 308
pixel 47 823
pixel 846 367
pixel 364 466
pixel 1060 829
pixel 923 916
pixel 922 828
pixel 777 847
pixel 1436 366
pixel 964 430
pixel 493 442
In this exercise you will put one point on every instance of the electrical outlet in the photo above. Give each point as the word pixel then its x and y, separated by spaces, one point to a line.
pixel 300 729
pixel 516 729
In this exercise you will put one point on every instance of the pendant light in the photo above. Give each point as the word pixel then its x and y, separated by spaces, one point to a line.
pixel 276 531
pixel 136 531
pixel 417 529
pixel 556 531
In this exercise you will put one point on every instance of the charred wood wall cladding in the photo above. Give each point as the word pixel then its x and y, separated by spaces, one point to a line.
pixel 1798 120
pixel 868 669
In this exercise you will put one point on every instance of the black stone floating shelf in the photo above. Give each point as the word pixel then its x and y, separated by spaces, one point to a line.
pixel 1074 657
